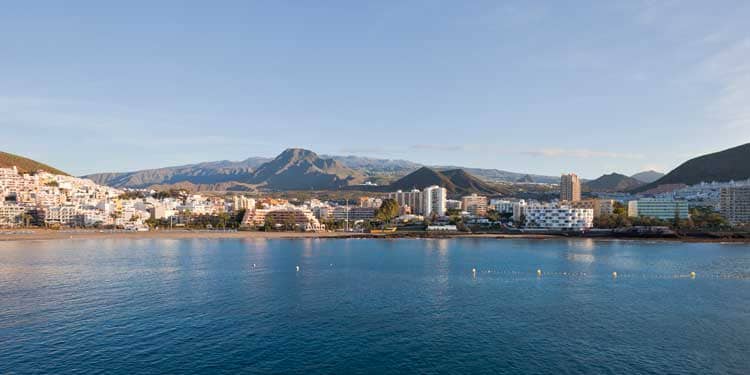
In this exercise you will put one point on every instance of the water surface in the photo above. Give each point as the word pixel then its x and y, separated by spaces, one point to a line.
pixel 373 306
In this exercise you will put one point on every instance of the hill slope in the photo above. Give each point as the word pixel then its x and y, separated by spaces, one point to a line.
pixel 300 169
pixel 613 182
pixel 456 181
pixel 647 176
pixel 730 164
pixel 25 165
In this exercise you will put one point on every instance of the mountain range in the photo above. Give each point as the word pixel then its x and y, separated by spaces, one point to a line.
pixel 219 173
pixel 299 169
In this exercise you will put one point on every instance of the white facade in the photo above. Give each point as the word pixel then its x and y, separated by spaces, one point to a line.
pixel 559 217
pixel 433 200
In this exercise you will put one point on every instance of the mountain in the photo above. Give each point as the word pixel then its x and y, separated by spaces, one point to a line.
pixel 498 175
pixel 456 181
pixel 25 165
pixel 300 169
pixel 218 174
pixel 374 165
pixel 727 165
pixel 214 172
pixel 648 176
pixel 613 182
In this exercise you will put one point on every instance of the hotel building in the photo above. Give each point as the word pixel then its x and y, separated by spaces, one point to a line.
pixel 570 188
pixel 734 204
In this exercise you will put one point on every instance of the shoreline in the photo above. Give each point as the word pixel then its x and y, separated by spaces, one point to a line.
pixel 49 235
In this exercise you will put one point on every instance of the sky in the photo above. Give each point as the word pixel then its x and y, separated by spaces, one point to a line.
pixel 541 87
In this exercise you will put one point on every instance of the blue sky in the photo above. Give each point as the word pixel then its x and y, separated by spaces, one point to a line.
pixel 529 86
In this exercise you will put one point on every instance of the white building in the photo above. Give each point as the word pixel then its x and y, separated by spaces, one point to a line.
pixel 556 217
pixel 433 200
pixel 659 208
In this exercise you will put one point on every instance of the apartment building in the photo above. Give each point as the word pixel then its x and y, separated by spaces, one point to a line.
pixel 659 208
pixel 734 204
pixel 475 204
pixel 556 217
pixel 570 188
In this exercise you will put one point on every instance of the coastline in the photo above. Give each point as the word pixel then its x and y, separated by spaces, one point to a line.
pixel 48 235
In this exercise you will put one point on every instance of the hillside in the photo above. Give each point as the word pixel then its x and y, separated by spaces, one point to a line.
pixel 456 181
pixel 647 176
pixel 25 165
pixel 299 169
pixel 613 182
pixel 727 165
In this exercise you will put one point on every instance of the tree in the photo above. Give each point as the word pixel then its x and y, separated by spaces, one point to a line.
pixel 388 210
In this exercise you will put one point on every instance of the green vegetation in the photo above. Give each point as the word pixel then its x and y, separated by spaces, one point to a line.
pixel 388 211
pixel 25 165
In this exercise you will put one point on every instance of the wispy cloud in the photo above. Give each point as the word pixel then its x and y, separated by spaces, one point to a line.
pixel 580 153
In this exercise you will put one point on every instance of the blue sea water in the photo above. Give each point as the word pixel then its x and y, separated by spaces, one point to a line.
pixel 373 306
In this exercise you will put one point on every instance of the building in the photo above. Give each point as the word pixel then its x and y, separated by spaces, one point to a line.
pixel 353 213
pixel 475 204
pixel 659 208
pixel 556 217
pixel 412 199
pixel 301 218
pixel 433 200
pixel 452 204
pixel 734 204
pixel 503 206
pixel 570 188
pixel 370 202
pixel 601 207
pixel 11 215
pixel 241 202
pixel 519 210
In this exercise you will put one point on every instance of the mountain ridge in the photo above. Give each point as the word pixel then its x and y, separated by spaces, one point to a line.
pixel 722 166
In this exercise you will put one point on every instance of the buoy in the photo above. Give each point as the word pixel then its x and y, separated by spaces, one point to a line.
pixel 297 268
pixel 692 275
pixel 614 274
pixel 539 272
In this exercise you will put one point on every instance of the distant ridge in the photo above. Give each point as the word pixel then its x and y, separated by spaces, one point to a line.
pixel 25 165
pixel 726 165
pixel 456 181
pixel 648 176
pixel 210 173
pixel 613 182
pixel 349 170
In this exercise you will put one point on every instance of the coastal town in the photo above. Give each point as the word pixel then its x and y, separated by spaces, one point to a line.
pixel 45 200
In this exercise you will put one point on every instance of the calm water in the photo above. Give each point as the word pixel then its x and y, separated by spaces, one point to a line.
pixel 373 306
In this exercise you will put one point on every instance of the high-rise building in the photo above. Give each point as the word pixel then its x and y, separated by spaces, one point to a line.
pixel 475 204
pixel 734 203
pixel 433 200
pixel 412 199
pixel 570 188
